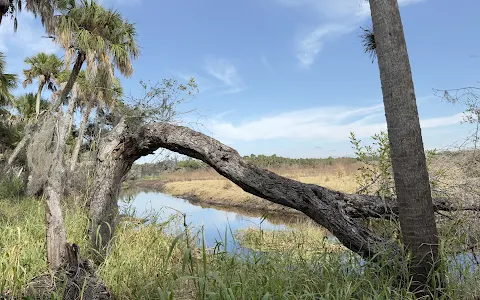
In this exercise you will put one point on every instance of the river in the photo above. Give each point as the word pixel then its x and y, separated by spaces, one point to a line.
pixel 218 221
pixel 215 221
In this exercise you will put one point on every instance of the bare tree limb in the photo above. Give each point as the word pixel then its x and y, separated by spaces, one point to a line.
pixel 336 211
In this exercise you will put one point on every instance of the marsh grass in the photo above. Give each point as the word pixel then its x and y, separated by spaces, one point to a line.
pixel 165 259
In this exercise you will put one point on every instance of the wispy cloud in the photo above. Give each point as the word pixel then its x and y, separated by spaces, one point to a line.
pixel 338 17
pixel 309 46
pixel 267 64
pixel 204 84
pixel 29 39
pixel 225 73
pixel 326 123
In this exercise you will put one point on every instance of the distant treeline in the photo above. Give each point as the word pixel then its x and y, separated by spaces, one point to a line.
pixel 263 161
pixel 274 161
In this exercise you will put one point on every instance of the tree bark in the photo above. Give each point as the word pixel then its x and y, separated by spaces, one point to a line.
pixel 331 209
pixel 110 169
pixel 416 211
pixel 336 211
pixel 81 131
pixel 39 97
pixel 56 233
pixel 54 187
pixel 71 80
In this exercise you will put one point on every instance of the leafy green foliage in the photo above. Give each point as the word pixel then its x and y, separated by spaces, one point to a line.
pixel 158 102
pixel 102 35
pixel 42 8
pixel 8 82
pixel 375 176
pixel 191 164
pixel 44 67
pixel 25 106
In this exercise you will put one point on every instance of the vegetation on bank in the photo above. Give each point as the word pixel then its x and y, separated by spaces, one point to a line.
pixel 165 260
pixel 208 187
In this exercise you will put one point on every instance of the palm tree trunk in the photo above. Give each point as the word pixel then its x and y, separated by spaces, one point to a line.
pixel 81 131
pixel 71 80
pixel 56 233
pixel 416 211
pixel 39 97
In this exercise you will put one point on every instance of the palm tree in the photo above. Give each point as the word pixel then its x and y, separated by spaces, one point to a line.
pixel 103 40
pixel 44 67
pixel 26 106
pixel 8 82
pixel 97 36
pixel 42 8
pixel 416 213
pixel 93 93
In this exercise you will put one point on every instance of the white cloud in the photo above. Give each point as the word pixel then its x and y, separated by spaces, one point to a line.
pixel 326 123
pixel 225 73
pixel 29 38
pixel 308 47
pixel 27 41
pixel 337 17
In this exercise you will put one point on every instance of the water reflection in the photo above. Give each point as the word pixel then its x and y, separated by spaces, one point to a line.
pixel 214 221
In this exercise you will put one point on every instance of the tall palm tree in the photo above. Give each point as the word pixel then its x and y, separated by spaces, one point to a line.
pixel 103 40
pixel 95 36
pixel 44 67
pixel 416 213
pixel 8 82
pixel 91 94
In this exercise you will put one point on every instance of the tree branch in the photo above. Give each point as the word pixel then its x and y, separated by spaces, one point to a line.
pixel 333 210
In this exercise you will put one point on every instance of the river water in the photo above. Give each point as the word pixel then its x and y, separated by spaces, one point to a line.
pixel 216 222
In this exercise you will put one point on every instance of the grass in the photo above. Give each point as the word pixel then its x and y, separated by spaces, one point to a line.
pixel 165 260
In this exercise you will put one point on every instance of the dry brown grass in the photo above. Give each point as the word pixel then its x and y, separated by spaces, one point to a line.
pixel 212 188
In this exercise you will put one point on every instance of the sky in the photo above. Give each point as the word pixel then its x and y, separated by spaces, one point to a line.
pixel 288 77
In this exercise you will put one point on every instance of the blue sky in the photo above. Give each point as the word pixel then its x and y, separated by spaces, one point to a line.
pixel 289 76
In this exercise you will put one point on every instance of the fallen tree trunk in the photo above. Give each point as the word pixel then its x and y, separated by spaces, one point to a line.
pixel 333 210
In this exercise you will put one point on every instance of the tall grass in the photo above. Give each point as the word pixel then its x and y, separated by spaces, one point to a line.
pixel 165 259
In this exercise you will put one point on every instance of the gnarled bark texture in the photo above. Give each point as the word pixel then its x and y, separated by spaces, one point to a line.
pixel 110 169
pixel 334 210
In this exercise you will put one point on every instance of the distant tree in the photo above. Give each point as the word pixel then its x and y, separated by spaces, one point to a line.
pixel 416 211
pixel 26 106
pixel 8 82
pixel 45 68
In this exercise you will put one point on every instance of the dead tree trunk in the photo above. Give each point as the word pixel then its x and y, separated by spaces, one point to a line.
pixel 333 210
pixel 110 169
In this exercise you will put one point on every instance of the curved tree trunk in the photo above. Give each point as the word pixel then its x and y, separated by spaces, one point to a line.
pixel 416 211
pixel 334 210
pixel 110 170
pixel 81 131
pixel 39 97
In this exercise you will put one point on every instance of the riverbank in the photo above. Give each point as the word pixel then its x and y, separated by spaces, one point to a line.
pixel 206 187
pixel 166 260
